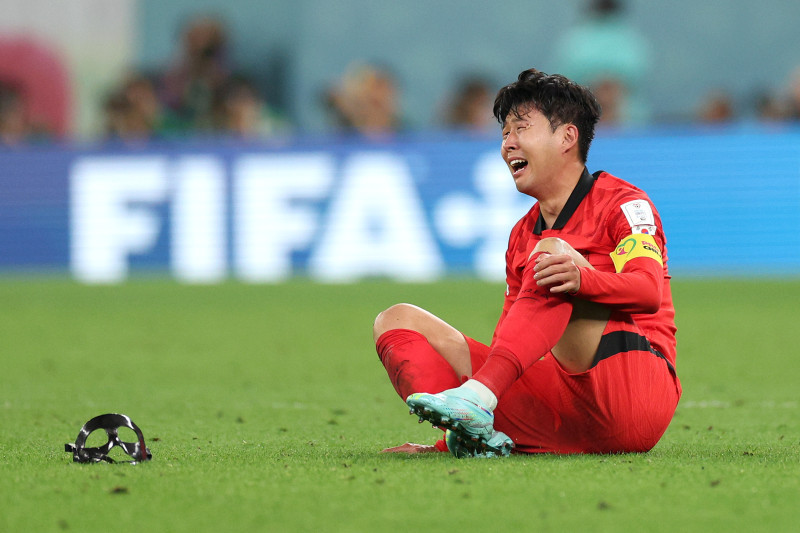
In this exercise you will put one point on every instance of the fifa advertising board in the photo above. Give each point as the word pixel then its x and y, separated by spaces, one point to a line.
pixel 414 209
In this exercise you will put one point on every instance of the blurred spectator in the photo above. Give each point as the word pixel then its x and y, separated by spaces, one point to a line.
pixel 609 55
pixel 769 107
pixel 783 105
pixel 133 112
pixel 612 95
pixel 793 101
pixel 198 72
pixel 365 100
pixel 120 122
pixel 197 94
pixel 241 112
pixel 470 108
pixel 14 126
pixel 16 123
pixel 717 108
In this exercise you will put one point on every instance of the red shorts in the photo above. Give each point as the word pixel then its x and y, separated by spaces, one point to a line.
pixel 624 403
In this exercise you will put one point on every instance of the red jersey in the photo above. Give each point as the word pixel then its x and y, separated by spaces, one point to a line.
pixel 600 214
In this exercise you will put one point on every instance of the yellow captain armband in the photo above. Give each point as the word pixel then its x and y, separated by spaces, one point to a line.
pixel 633 246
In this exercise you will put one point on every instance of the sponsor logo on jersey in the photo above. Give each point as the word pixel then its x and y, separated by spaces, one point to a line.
pixel 633 246
pixel 626 246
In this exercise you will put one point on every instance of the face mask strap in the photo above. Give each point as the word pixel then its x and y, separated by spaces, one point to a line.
pixel 110 423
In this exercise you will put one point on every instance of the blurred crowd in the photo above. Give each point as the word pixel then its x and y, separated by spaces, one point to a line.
pixel 198 92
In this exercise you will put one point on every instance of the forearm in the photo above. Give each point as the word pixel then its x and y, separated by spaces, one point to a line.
pixel 637 289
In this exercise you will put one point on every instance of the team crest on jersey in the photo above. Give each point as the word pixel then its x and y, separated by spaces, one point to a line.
pixel 639 214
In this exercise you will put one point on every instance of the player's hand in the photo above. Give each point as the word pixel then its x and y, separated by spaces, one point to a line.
pixel 410 447
pixel 559 272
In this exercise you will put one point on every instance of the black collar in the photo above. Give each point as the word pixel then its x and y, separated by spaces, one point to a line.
pixel 584 185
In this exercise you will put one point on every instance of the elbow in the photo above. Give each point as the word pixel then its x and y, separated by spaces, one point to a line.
pixel 650 301
pixel 651 305
pixel 651 284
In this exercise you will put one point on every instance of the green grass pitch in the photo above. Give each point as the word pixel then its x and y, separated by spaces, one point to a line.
pixel 265 408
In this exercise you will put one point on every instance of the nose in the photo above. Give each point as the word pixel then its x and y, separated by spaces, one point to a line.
pixel 509 141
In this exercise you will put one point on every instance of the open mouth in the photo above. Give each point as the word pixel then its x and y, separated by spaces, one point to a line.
pixel 517 165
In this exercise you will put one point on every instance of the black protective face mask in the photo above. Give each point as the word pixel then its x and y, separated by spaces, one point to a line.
pixel 111 424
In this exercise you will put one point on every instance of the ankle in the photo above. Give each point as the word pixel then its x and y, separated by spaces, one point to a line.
pixel 485 395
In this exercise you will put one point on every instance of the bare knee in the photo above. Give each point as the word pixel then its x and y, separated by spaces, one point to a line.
pixel 556 246
pixel 398 316
pixel 553 245
pixel 446 340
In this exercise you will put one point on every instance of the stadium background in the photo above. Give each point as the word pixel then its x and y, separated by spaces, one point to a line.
pixel 417 205
pixel 258 391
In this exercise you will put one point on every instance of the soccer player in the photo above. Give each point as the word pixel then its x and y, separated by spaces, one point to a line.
pixel 583 357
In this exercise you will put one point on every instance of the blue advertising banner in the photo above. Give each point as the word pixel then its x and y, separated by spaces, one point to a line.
pixel 413 209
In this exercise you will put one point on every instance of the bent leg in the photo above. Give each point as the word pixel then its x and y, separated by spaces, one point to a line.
pixel 577 346
pixel 420 351
pixel 446 340
pixel 568 402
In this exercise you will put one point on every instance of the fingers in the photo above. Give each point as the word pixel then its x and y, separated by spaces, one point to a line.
pixel 548 265
pixel 559 272
pixel 560 283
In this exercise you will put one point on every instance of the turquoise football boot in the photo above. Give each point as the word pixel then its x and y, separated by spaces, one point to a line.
pixel 499 445
pixel 458 410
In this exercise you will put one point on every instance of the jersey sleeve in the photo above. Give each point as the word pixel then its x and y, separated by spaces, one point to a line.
pixel 636 286
pixel 513 282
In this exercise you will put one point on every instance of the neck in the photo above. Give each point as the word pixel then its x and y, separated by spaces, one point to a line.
pixel 552 201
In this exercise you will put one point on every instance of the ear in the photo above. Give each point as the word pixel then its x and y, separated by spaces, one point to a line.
pixel 569 137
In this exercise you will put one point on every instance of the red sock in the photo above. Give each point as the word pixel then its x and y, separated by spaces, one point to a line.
pixel 534 324
pixel 412 363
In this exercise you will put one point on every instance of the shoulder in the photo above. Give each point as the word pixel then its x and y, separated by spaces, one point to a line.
pixel 609 182
pixel 627 201
pixel 614 191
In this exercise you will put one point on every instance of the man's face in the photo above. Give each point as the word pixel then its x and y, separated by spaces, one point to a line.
pixel 531 148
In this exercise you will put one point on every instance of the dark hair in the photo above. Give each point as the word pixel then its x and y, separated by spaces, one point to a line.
pixel 559 99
